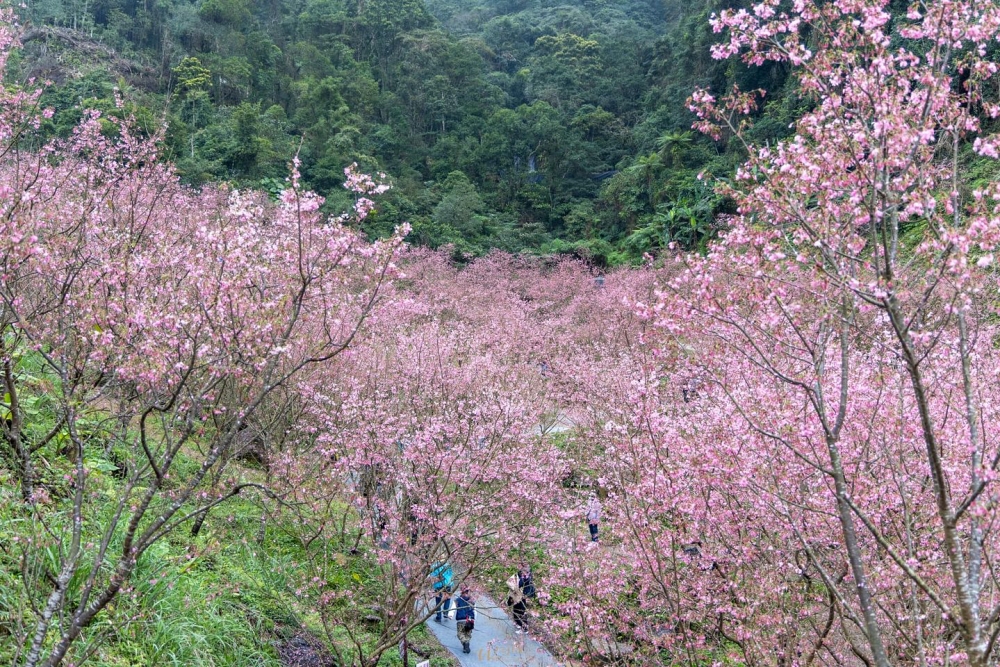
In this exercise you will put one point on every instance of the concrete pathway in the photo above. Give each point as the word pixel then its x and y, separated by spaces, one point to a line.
pixel 494 643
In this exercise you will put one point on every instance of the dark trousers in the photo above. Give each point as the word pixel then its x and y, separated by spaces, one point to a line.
pixel 441 607
pixel 520 614
pixel 593 532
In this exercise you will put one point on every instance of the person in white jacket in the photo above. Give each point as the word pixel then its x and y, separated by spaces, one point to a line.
pixel 518 604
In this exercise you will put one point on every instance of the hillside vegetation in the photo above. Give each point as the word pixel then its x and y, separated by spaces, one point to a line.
pixel 541 125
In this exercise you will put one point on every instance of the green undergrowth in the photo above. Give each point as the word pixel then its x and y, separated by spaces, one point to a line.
pixel 219 599
pixel 229 596
pixel 216 599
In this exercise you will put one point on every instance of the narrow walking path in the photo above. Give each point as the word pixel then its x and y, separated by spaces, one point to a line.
pixel 494 641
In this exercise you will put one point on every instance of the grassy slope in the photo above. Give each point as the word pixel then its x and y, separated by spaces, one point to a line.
pixel 221 598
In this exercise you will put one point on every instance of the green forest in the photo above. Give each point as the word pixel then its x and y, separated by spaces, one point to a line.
pixel 546 126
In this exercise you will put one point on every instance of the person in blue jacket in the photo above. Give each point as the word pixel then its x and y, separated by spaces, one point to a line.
pixel 442 576
pixel 465 618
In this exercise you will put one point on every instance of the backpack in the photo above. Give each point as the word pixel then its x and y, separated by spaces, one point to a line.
pixel 527 586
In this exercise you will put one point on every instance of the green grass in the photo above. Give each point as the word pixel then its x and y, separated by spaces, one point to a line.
pixel 219 608
pixel 218 599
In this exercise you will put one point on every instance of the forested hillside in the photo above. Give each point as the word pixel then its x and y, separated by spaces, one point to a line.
pixel 547 125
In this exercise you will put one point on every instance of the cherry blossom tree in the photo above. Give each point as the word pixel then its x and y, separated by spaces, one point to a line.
pixel 844 326
pixel 165 318
pixel 423 448
pixel 798 465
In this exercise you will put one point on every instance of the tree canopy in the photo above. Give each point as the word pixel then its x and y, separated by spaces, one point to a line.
pixel 550 108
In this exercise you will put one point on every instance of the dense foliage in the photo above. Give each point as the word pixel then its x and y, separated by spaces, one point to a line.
pixel 538 124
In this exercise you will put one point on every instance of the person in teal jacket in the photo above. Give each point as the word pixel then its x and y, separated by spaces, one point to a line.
pixel 442 576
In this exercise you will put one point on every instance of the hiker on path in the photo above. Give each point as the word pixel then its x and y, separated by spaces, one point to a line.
pixel 593 515
pixel 522 588
pixel 442 576
pixel 465 618
pixel 515 600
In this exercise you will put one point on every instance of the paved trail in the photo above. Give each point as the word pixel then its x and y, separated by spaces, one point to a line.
pixel 494 643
